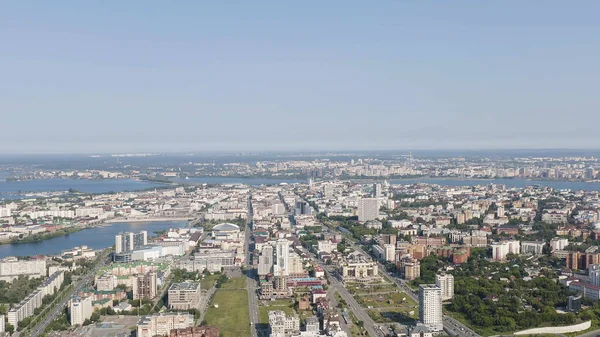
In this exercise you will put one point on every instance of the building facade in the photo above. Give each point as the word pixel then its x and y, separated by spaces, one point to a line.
pixel 430 307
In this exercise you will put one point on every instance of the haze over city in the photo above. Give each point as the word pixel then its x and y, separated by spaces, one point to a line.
pixel 265 75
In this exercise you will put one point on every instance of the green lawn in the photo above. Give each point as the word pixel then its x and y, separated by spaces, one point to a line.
pixel 208 281
pixel 387 300
pixel 232 317
pixel 402 316
pixel 368 289
pixel 235 283
pixel 263 311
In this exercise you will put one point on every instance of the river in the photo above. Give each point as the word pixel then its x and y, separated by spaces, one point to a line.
pixel 510 183
pixel 12 189
pixel 240 180
pixel 96 238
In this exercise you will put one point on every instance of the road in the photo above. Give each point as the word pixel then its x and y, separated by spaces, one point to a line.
pixel 451 325
pixel 84 281
pixel 251 275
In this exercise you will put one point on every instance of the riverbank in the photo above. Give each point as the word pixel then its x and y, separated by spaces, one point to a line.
pixel 44 236
pixel 120 220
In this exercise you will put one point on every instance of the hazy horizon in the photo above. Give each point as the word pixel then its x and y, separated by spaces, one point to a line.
pixel 131 77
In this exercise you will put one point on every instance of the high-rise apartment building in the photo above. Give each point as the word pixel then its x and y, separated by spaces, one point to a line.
pixel 11 268
pixel 282 258
pixel 80 309
pixel 368 209
pixel 265 260
pixel 2 324
pixel 127 242
pixel 145 286
pixel 430 307
pixel 377 192
pixel 594 273
pixel 446 283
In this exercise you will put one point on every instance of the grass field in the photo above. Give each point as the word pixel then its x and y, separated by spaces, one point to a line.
pixel 387 300
pixel 235 283
pixel 263 311
pixel 208 281
pixel 232 317
pixel 402 316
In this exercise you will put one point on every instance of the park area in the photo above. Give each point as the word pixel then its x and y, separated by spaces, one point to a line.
pixel 232 315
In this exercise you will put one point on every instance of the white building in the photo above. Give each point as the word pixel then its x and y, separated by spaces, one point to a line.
pixel 265 260
pixel 162 324
pixel 430 307
pixel 2 324
pixel 558 243
pixel 594 273
pixel 127 242
pixel 390 252
pixel 80 309
pixel 446 283
pixel 532 247
pixel 282 325
pixel 282 258
pixel 501 249
pixel 11 268
pixel 368 209
pixel 184 296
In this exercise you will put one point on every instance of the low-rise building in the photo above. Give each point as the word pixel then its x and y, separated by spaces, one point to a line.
pixel 184 296
pixel 162 324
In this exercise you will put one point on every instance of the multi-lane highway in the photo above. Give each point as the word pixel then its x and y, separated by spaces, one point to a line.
pixel 251 273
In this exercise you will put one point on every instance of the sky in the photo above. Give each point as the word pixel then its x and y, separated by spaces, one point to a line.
pixel 157 76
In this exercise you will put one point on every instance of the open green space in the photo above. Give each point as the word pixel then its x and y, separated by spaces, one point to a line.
pixel 265 307
pixel 395 299
pixel 232 317
pixel 235 283
pixel 208 281
pixel 389 315
pixel 356 288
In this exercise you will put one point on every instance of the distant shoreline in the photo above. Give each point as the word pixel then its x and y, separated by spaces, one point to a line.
pixel 148 220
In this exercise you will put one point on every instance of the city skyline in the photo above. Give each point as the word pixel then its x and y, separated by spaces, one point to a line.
pixel 126 77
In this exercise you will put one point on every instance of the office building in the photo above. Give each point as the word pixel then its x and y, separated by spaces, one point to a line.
pixel 80 309
pixel 128 242
pixel 145 286
pixel 357 267
pixel 446 283
pixel 265 261
pixel 184 296
pixel 368 209
pixel 11 268
pixel 430 307
pixel 163 324
pixel 282 258
pixel 282 325
pixel 574 303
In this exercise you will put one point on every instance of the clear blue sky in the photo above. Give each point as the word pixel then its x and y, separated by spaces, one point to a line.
pixel 123 76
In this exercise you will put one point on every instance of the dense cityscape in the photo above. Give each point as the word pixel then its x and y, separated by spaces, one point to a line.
pixel 299 169
pixel 336 253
